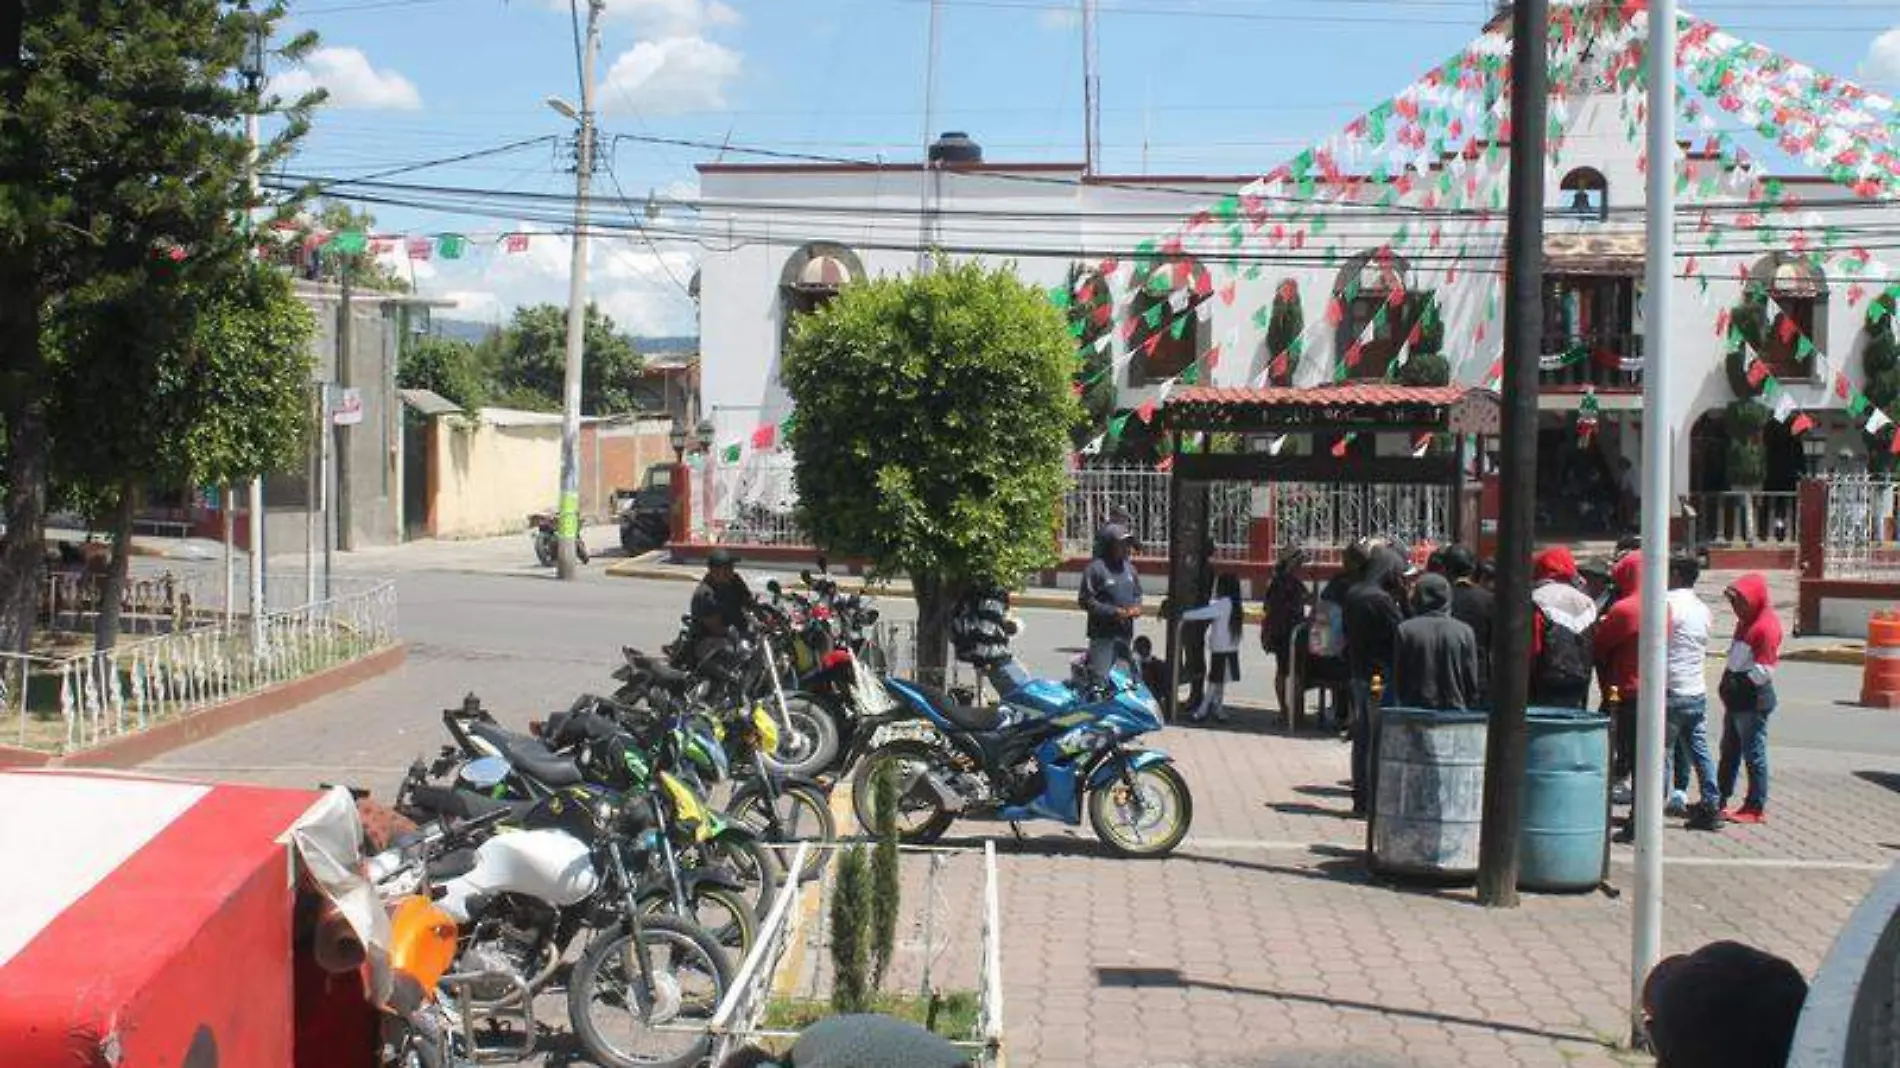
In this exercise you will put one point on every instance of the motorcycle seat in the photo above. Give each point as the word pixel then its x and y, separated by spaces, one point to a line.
pixel 457 803
pixel 962 716
pixel 532 757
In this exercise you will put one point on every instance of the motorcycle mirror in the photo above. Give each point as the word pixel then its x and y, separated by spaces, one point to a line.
pixel 772 585
pixel 821 565
pixel 804 576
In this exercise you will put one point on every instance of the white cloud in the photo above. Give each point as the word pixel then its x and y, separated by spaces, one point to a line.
pixel 351 80
pixel 1060 18
pixel 1883 58
pixel 673 18
pixel 671 76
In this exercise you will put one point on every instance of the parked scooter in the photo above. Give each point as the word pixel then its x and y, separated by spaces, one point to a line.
pixel 544 531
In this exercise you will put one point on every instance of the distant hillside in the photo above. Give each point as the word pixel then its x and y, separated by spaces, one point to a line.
pixel 465 330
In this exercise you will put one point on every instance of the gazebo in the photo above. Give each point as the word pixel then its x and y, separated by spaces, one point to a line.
pixel 1256 417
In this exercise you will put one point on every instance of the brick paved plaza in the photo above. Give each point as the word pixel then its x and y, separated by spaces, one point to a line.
pixel 1262 942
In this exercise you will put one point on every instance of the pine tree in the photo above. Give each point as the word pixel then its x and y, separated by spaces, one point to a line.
pixel 886 887
pixel 850 920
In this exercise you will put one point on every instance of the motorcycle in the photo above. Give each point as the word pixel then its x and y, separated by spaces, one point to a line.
pixel 1048 751
pixel 544 532
pixel 515 899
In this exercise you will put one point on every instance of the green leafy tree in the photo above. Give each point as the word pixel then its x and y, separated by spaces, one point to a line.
pixel 121 139
pixel 850 927
pixel 886 886
pixel 1286 327
pixel 1091 318
pixel 448 366
pixel 1427 365
pixel 1881 358
pixel 933 431
pixel 529 359
pixel 1747 458
pixel 364 271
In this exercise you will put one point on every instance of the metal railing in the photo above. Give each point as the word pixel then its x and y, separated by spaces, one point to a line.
pixel 742 1010
pixel 1324 517
pixel 1747 518
pixel 1850 1016
pixel 70 601
pixel 1136 498
pixel 1860 541
pixel 64 704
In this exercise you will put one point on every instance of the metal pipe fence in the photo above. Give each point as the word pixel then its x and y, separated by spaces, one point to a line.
pixel 67 703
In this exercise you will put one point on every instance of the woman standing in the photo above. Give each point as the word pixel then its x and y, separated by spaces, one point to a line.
pixel 1283 609
pixel 1222 614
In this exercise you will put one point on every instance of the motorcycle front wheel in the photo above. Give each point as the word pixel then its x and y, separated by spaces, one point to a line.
pixel 921 815
pixel 756 865
pixel 808 738
pixel 1144 814
pixel 624 1023
pixel 724 914
pixel 544 550
pixel 797 814
pixel 580 550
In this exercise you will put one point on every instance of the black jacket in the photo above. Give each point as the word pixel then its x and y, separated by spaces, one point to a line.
pixel 1373 616
pixel 1436 660
pixel 1105 591
pixel 1475 606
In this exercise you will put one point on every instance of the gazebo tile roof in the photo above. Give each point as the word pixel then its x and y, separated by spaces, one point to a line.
pixel 1352 393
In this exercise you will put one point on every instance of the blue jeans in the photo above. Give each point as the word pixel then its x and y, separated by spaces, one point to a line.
pixel 1745 741
pixel 1688 732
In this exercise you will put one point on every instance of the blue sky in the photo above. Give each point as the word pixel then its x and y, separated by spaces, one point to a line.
pixel 1207 86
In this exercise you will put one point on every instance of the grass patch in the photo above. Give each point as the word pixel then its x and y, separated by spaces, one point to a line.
pixel 954 1018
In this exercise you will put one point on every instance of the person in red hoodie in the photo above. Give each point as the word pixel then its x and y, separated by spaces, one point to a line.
pixel 1618 662
pixel 1748 695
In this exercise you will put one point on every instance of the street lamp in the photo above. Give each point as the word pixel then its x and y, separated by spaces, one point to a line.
pixel 706 434
pixel 563 109
pixel 251 64
pixel 677 439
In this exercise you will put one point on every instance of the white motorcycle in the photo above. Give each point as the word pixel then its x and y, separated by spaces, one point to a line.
pixel 642 991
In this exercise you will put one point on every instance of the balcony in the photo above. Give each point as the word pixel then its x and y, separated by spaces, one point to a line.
pixel 1601 366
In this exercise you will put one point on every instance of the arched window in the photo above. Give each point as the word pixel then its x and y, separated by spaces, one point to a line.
pixel 814 274
pixel 1794 293
pixel 1375 301
pixel 1170 333
pixel 1585 195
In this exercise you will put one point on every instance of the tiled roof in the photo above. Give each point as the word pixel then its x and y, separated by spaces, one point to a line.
pixel 1352 393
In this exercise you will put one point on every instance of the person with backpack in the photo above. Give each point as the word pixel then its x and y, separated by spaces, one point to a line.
pixel 1748 694
pixel 1326 641
pixel 1563 631
pixel 1619 665
pixel 1222 614
pixel 1281 612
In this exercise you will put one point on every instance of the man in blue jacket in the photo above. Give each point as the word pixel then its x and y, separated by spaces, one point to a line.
pixel 1111 595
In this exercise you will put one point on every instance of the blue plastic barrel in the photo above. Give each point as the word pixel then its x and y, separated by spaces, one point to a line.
pixel 1428 802
pixel 1566 800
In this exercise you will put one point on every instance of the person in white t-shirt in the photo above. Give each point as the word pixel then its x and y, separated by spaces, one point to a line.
pixel 1687 694
pixel 1222 614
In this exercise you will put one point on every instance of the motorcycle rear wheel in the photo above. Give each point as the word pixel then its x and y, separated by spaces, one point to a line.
pixel 692 975
pixel 1120 812
pixel 544 550
pixel 909 762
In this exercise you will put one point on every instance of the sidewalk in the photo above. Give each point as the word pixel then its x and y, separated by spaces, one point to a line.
pixel 1264 942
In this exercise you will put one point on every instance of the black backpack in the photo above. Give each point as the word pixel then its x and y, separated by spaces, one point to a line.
pixel 1566 660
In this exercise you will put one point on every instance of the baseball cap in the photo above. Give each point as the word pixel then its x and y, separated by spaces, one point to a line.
pixel 1726 1005
pixel 1116 532
pixel 721 558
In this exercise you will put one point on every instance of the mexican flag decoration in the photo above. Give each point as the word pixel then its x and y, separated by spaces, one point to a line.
pixel 1588 418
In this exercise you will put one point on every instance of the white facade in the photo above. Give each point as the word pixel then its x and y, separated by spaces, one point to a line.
pixel 1046 217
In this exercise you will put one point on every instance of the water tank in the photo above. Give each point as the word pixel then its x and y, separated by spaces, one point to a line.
pixel 955 147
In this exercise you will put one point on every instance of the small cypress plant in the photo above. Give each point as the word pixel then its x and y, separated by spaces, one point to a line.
pixel 850 919
pixel 886 888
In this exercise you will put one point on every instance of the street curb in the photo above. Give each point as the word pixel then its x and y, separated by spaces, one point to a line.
pixel 1843 655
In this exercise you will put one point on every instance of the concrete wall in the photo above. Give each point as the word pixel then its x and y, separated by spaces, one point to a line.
pixel 489 478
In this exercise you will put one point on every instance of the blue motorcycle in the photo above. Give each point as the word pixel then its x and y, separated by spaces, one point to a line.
pixel 1044 752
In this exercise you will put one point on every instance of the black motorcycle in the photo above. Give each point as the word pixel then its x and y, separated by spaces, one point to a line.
pixel 544 530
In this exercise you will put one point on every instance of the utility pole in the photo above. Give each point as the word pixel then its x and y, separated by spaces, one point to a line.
pixel 1091 92
pixel 930 179
pixel 1505 740
pixel 1658 427
pixel 569 526
pixel 345 353
pixel 253 70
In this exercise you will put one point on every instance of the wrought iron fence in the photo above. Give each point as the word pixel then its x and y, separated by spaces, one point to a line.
pixel 755 503
pixel 1861 540
pixel 1136 498
pixel 70 600
pixel 1742 518
pixel 63 704
pixel 1324 518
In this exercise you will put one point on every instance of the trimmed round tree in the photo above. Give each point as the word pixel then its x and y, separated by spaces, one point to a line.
pixel 932 434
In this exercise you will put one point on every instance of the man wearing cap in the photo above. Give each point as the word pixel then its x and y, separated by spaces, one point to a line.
pixel 1111 595
pixel 719 604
